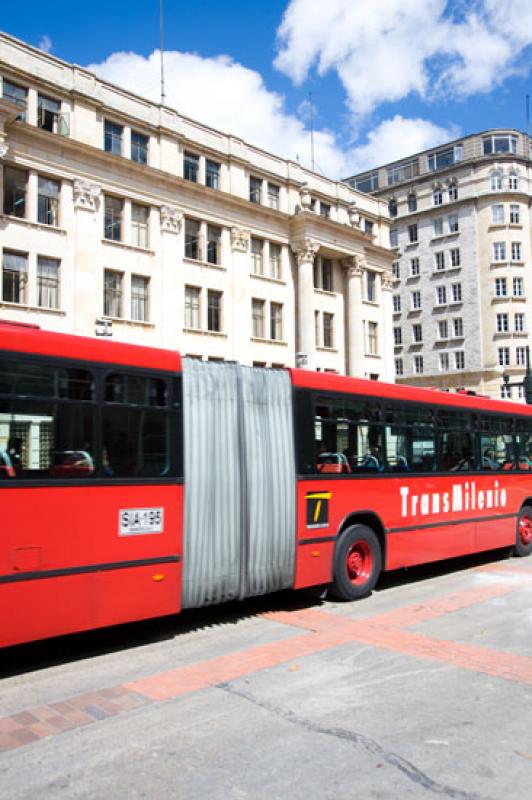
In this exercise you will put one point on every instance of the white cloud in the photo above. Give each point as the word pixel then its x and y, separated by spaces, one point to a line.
pixel 45 43
pixel 382 51
pixel 226 95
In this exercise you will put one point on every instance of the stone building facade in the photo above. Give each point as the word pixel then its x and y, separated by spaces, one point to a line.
pixel 123 217
pixel 461 229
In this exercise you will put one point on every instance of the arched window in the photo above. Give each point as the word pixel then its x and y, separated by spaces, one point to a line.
pixel 496 182
pixel 437 196
pixel 412 202
pixel 392 207
pixel 513 181
pixel 453 192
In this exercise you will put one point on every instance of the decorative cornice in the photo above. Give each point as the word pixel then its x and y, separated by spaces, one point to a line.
pixel 354 266
pixel 171 219
pixel 305 249
pixel 354 216
pixel 239 239
pixel 86 194
pixel 387 281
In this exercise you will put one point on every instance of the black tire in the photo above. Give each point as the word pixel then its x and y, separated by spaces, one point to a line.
pixel 523 534
pixel 357 563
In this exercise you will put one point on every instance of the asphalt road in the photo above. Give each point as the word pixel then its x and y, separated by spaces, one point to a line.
pixel 422 690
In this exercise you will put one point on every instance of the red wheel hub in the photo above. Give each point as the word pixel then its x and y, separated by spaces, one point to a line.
pixel 525 529
pixel 359 562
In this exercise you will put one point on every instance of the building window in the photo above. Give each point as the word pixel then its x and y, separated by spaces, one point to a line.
pixel 257 311
pixel 212 174
pixel 439 260
pixel 412 234
pixel 327 275
pixel 412 202
pixel 112 138
pixel 47 282
pixel 17 95
pixel 416 300
pixel 520 356
pixel 459 359
pixel 453 223
pixel 396 270
pixel 453 192
pixel 497 214
pixel 369 183
pixel 273 196
pixel 396 303
pixel 49 117
pixel 414 267
pixel 456 289
pixel 445 158
pixel 190 166
pixel 192 239
pixel 443 362
pixel 417 333
pixel 328 330
pixel 441 295
pixel 500 144
pixel 275 261
pixel 515 216
pixel 443 331
pixel 112 226
pixel 139 147
pixel 192 308
pixel 112 293
pixel 455 256
pixel 502 323
pixel 276 321
pixel 437 197
pixel 516 251
pixel 392 207
pixel 500 287
pixel 403 172
pixel 519 323
pixel 499 251
pixel 399 367
pixel 418 365
pixel 139 225
pixel 214 244
pixel 503 355
pixel 15 192
pixel 255 189
pixel 458 328
pixel 438 226
pixel 496 182
pixel 368 227
pixel 397 336
pixel 140 298
pixel 518 287
pixel 394 237
pixel 325 209
pixel 257 262
pixel 371 287
pixel 48 201
pixel 214 311
pixel 513 182
pixel 14 277
pixel 506 392
pixel 373 343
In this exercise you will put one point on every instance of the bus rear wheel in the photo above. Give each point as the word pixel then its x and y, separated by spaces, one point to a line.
pixel 523 541
pixel 357 563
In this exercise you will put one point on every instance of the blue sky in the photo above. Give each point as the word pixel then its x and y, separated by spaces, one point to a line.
pixel 386 77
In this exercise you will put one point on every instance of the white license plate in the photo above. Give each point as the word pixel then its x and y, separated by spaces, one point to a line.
pixel 132 521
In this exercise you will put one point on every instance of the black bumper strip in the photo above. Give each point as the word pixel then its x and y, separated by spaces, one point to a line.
pixel 60 573
pixel 452 522
pixel 318 540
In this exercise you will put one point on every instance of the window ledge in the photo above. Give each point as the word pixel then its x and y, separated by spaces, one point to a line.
pixel 325 292
pixel 260 340
pixel 26 307
pixel 268 278
pixel 142 323
pixel 372 355
pixel 410 245
pixel 202 332
pixel 323 349
pixel 414 311
pixel 455 302
pixel 373 303
pixel 199 263
pixel 133 247
pixel 446 270
pixel 28 223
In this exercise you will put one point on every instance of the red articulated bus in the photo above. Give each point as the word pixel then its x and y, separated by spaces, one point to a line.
pixel 135 483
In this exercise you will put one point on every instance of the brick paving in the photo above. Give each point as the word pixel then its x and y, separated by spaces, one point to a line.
pixel 323 630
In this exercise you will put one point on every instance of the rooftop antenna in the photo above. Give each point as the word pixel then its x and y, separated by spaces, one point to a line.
pixel 161 48
pixel 528 115
pixel 311 112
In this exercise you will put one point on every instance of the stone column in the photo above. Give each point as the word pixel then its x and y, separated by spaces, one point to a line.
pixel 354 270
pixel 171 278
pixel 238 317
pixel 387 347
pixel 305 251
pixel 87 285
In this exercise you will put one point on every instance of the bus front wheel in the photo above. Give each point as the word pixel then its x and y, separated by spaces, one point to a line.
pixel 357 563
pixel 523 541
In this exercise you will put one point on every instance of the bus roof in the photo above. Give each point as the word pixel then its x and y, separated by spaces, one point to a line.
pixel 23 338
pixel 330 382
